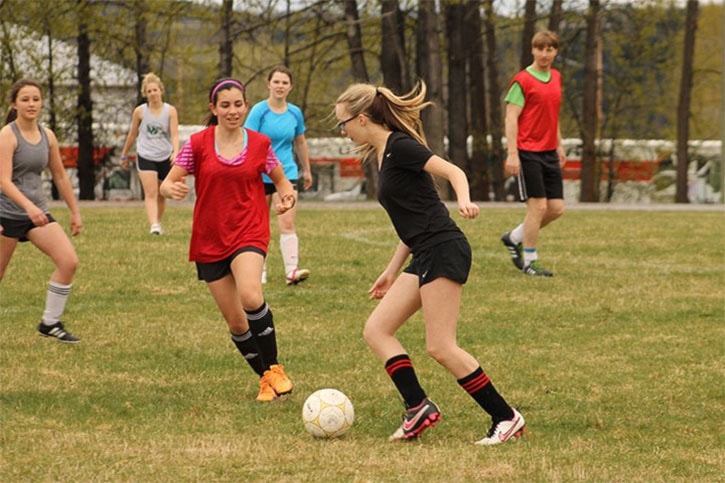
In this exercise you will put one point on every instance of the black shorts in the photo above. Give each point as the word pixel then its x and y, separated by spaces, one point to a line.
pixel 451 259
pixel 161 168
pixel 210 272
pixel 19 228
pixel 270 188
pixel 540 176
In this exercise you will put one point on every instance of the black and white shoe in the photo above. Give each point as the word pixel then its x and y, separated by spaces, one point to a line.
pixel 536 270
pixel 515 250
pixel 57 331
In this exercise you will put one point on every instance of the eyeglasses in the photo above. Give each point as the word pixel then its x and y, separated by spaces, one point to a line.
pixel 341 124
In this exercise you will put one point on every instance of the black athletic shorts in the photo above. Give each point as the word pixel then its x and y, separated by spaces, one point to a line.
pixel 270 188
pixel 450 259
pixel 161 168
pixel 19 228
pixel 210 272
pixel 540 176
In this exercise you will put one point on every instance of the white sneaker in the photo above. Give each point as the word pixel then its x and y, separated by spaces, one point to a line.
pixel 156 229
pixel 297 275
pixel 504 430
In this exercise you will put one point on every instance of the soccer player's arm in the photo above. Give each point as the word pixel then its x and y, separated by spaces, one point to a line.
pixel 303 154
pixel 174 131
pixel 383 283
pixel 441 168
pixel 136 118
pixel 560 147
pixel 284 188
pixel 514 106
pixel 174 185
pixel 60 178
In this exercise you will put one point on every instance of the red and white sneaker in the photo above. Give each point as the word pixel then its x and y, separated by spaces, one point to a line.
pixel 504 430
pixel 416 420
pixel 297 275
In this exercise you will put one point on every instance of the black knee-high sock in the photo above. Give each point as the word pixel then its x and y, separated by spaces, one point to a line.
pixel 261 322
pixel 481 389
pixel 401 371
pixel 247 345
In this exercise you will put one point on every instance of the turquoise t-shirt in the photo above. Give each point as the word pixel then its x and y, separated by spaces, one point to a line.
pixel 282 129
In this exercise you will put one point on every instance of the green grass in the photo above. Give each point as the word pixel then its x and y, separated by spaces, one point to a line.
pixel 616 362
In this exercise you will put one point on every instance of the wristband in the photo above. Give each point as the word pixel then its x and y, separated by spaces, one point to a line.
pixel 124 158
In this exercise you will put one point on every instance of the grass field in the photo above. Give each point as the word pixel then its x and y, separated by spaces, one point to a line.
pixel 616 363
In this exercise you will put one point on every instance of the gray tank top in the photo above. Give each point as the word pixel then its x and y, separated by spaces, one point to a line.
pixel 154 139
pixel 29 161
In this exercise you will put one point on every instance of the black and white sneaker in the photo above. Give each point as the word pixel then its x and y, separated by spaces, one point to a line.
pixel 416 420
pixel 515 250
pixel 536 270
pixel 57 331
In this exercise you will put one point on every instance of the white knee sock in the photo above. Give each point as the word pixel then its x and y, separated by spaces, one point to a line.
pixel 55 302
pixel 289 245
pixel 517 234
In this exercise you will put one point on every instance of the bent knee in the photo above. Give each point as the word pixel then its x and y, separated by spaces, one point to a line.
pixel 555 212
pixel 251 300
pixel 68 265
pixel 440 353
pixel 374 331
pixel 370 334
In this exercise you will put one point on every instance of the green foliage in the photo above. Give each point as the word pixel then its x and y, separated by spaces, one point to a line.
pixel 642 54
pixel 616 362
pixel 641 46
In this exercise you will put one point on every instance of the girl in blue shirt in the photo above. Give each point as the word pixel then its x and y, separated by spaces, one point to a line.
pixel 284 124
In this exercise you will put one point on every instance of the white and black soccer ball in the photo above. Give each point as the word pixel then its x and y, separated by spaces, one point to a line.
pixel 328 413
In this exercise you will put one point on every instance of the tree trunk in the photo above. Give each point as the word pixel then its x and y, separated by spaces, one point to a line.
pixel 555 16
pixel 143 65
pixel 86 168
pixel 683 106
pixel 226 45
pixel 528 32
pixel 430 69
pixel 354 42
pixel 392 55
pixel 722 123
pixel 457 104
pixel 360 74
pixel 479 174
pixel 53 120
pixel 494 103
pixel 590 111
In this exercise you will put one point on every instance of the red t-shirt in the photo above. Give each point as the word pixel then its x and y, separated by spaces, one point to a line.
pixel 539 120
pixel 231 208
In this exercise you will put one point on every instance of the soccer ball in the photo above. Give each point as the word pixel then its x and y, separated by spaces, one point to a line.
pixel 328 413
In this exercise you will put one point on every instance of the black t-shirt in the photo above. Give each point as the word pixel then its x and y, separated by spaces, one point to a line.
pixel 409 196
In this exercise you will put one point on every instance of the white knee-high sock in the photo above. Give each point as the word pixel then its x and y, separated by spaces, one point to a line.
pixel 517 234
pixel 55 302
pixel 289 245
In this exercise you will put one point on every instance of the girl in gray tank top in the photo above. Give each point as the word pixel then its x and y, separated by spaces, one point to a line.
pixel 26 149
pixel 155 129
pixel 29 161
